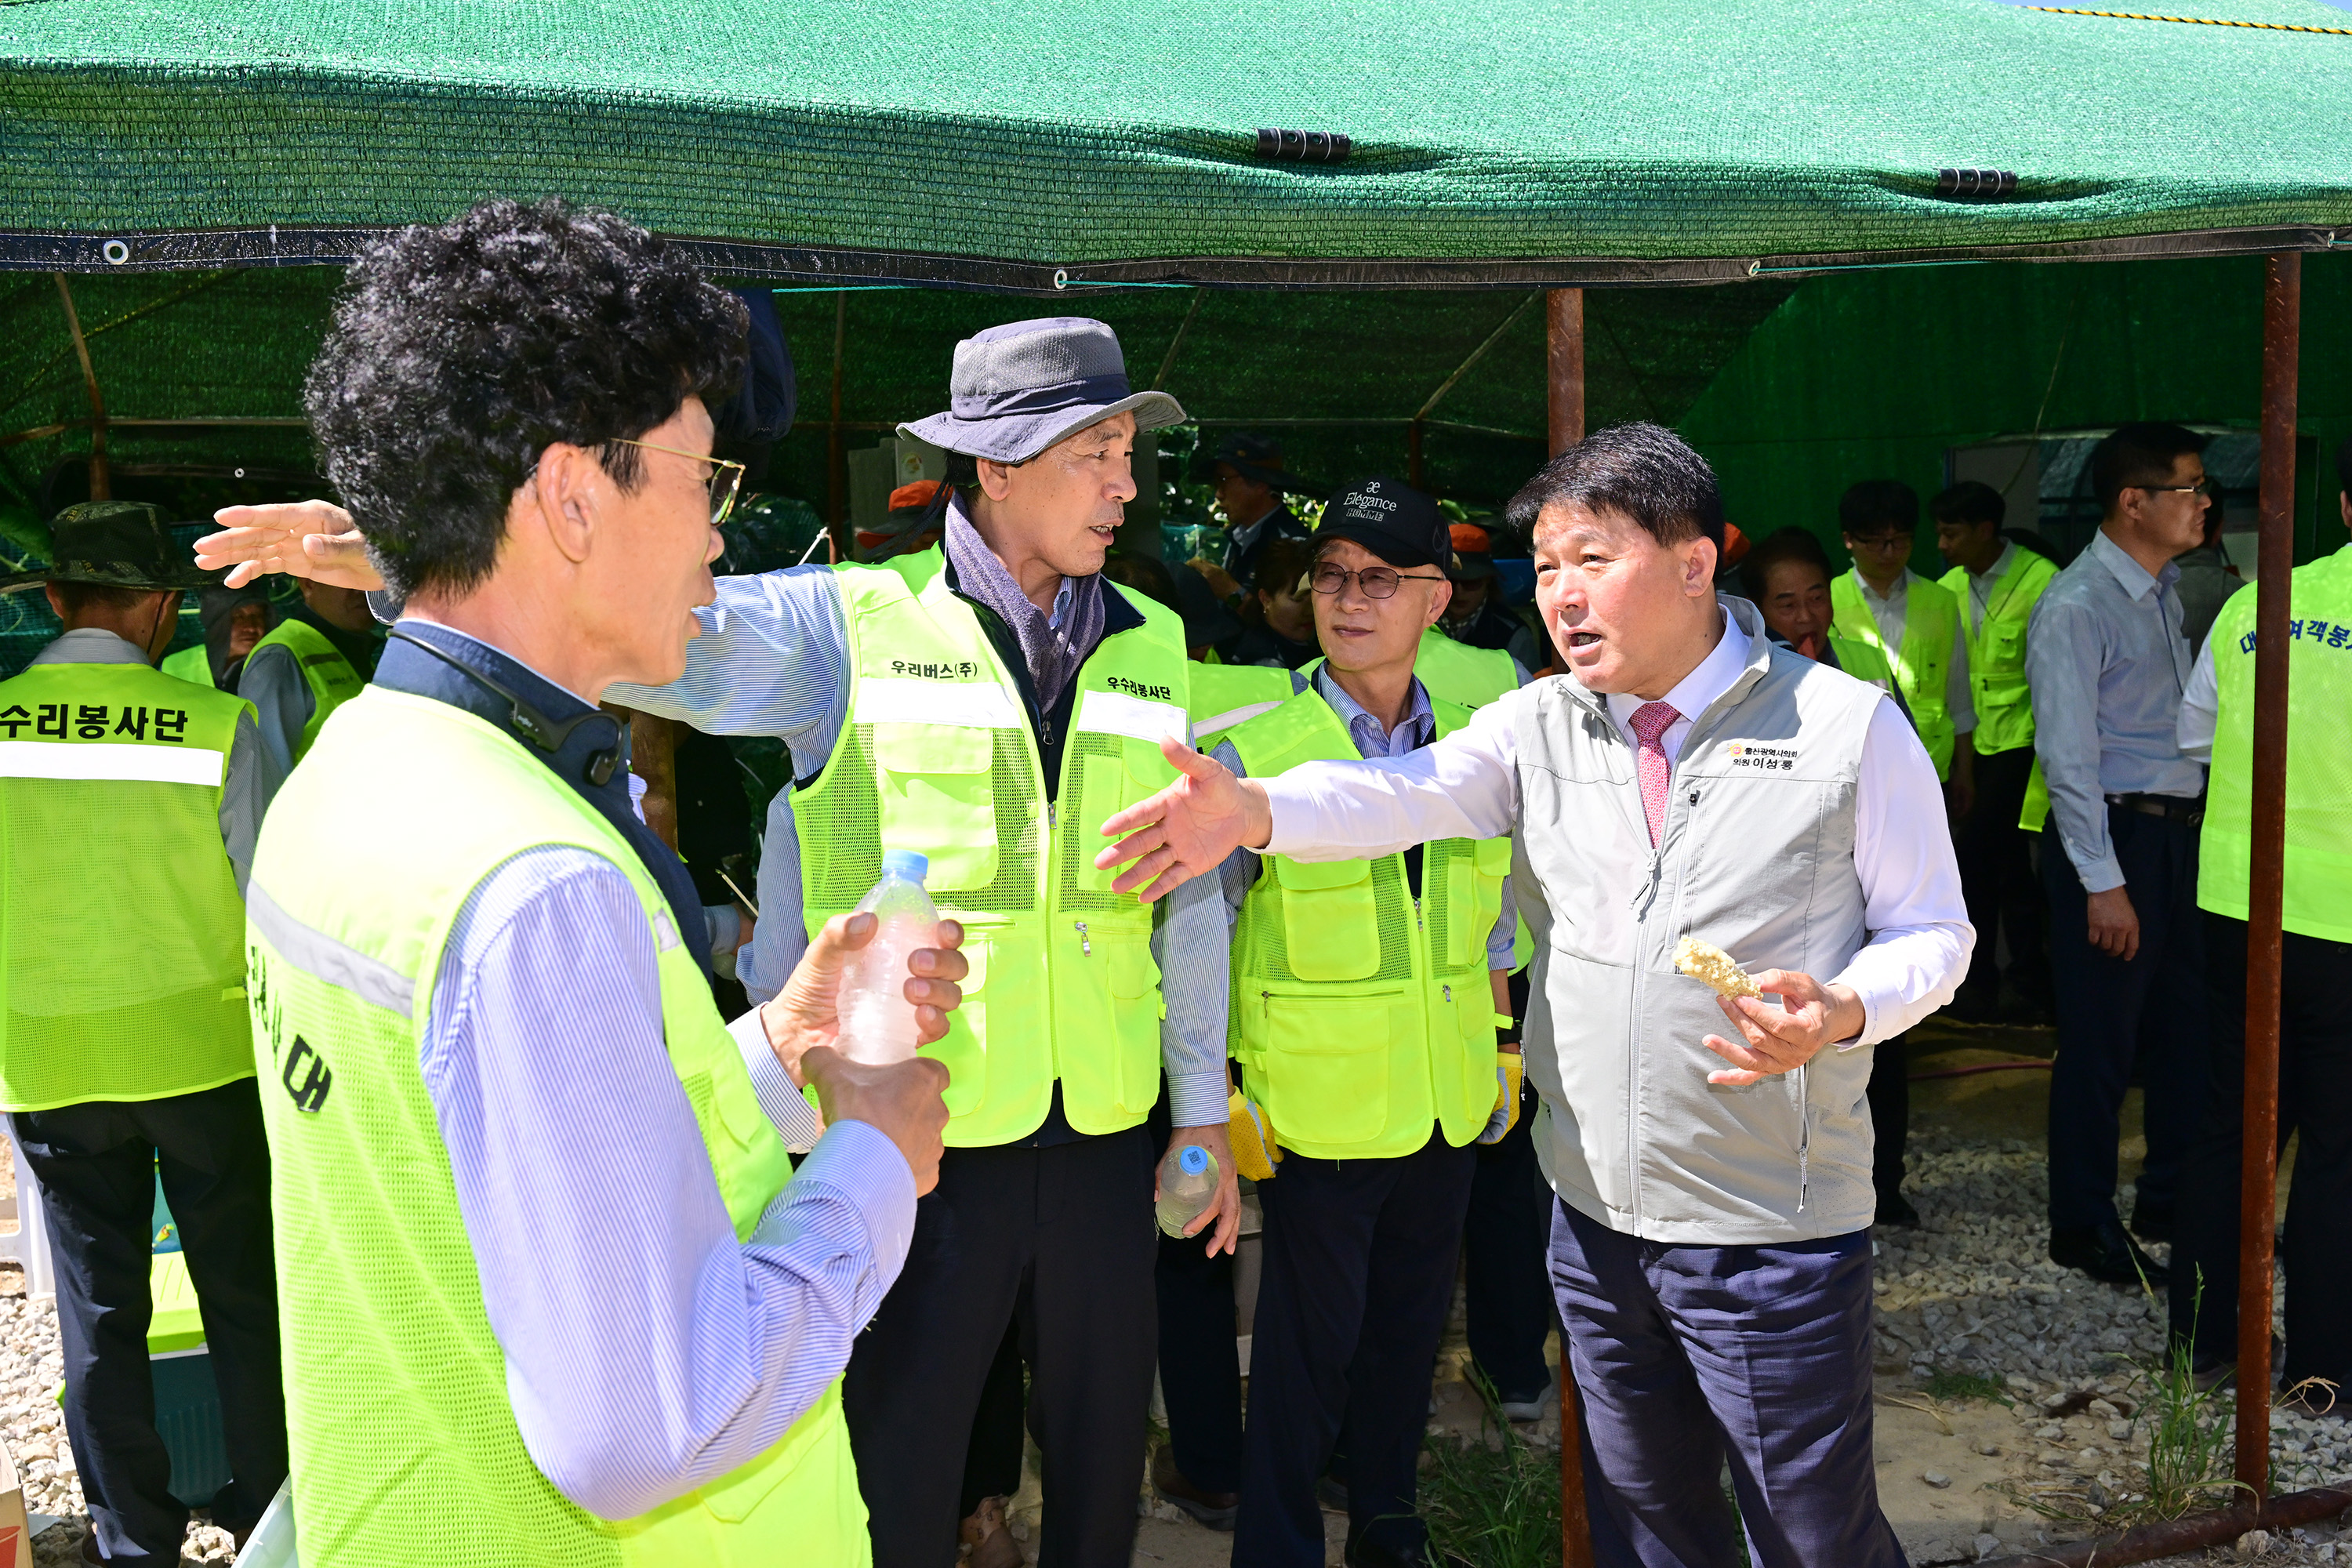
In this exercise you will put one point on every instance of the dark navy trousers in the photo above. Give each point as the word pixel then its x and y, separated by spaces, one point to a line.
pixel 1687 1357
pixel 1358 1273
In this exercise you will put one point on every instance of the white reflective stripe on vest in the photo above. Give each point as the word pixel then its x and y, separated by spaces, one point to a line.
pixel 1115 714
pixel 970 704
pixel 109 760
pixel 1233 717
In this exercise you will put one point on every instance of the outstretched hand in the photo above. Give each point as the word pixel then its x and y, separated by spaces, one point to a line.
pixel 313 539
pixel 1782 1039
pixel 1187 829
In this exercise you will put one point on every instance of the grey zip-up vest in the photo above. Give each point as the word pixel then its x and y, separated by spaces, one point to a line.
pixel 1756 857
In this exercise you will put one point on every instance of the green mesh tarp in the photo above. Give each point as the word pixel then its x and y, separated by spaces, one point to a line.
pixel 995 142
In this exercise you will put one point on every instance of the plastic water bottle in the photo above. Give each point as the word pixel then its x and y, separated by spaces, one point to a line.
pixel 877 1021
pixel 1188 1182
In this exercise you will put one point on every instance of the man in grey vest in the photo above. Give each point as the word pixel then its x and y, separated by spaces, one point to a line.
pixel 1710 1250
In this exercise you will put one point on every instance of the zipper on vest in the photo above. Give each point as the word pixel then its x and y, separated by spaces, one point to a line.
pixel 1804 1132
pixel 1086 943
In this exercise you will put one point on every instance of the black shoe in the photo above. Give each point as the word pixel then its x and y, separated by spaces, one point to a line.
pixel 1365 1552
pixel 1331 1494
pixel 2103 1252
pixel 2151 1224
pixel 1894 1208
pixel 1215 1510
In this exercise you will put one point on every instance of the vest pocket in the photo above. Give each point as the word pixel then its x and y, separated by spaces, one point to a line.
pixel 935 794
pixel 1109 1063
pixel 1327 1066
pixel 1330 923
pixel 1107 785
pixel 1466 1051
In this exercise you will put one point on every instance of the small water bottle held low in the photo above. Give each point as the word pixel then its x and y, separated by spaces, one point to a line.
pixel 1188 1183
pixel 877 1021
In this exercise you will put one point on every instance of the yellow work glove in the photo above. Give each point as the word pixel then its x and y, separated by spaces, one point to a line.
pixel 1251 1133
pixel 1509 1071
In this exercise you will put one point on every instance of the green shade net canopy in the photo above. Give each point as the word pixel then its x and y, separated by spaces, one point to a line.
pixel 1019 143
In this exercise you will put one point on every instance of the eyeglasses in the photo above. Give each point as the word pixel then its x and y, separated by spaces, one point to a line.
pixel 2201 487
pixel 725 477
pixel 1378 582
pixel 1876 541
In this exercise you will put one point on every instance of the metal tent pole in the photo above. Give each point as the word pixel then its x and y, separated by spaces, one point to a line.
pixel 101 486
pixel 1564 397
pixel 837 524
pixel 2258 1183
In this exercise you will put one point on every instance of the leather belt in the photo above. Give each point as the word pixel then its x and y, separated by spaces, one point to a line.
pixel 2178 808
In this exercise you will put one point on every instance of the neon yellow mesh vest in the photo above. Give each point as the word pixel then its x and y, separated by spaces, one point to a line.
pixel 1930 619
pixel 1864 662
pixel 2319 725
pixel 190 664
pixel 1997 650
pixel 1361 1015
pixel 404 1444
pixel 1224 695
pixel 1465 676
pixel 937 756
pixel 330 675
pixel 110 810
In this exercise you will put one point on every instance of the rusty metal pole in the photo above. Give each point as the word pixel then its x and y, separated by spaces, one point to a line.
pixel 836 527
pixel 1413 466
pixel 1564 398
pixel 1564 357
pixel 2258 1181
pixel 101 483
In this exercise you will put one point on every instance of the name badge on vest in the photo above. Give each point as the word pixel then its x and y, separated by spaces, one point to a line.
pixel 1760 758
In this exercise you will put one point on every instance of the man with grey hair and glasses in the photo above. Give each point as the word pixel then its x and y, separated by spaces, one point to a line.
pixel 988 701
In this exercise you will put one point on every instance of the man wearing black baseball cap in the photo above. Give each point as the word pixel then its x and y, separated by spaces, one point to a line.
pixel 1250 481
pixel 1369 1047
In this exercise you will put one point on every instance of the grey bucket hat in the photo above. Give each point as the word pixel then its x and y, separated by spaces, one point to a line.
pixel 1016 389
pixel 115 545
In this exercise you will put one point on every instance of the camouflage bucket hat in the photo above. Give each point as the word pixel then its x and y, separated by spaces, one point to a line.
pixel 115 545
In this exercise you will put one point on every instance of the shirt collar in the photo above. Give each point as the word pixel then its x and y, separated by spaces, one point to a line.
pixel 1372 739
pixel 1697 692
pixel 91 645
pixel 2134 578
pixel 1901 590
pixel 1246 535
pixel 2001 563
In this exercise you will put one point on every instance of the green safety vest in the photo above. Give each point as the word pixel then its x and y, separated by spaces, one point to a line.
pixel 190 664
pixel 2318 787
pixel 402 1439
pixel 1465 676
pixel 937 756
pixel 1930 621
pixel 329 675
pixel 111 780
pixel 1997 650
pixel 1864 662
pixel 1224 695
pixel 1362 1015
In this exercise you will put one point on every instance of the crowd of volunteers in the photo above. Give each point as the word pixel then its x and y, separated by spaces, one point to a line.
pixel 1323 856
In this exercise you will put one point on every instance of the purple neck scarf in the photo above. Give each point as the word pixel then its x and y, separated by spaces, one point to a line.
pixel 1052 653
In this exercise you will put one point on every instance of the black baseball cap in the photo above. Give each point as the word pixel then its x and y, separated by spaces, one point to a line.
pixel 1393 520
pixel 1252 457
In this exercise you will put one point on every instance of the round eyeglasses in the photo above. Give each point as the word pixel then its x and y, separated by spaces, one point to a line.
pixel 1378 582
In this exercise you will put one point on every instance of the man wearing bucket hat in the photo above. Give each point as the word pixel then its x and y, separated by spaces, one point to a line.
pixel 984 701
pixel 1250 481
pixel 140 792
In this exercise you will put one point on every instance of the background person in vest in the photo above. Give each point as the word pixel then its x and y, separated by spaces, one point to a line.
pixel 1475 618
pixel 1245 473
pixel 140 794
pixel 1913 623
pixel 1996 583
pixel 549 532
pixel 1041 1215
pixel 2106 663
pixel 2314 1093
pixel 309 664
pixel 234 620
pixel 1787 573
pixel 1710 1250
pixel 1375 1104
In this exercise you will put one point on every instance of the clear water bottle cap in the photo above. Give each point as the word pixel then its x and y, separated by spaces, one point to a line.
pixel 906 863
pixel 1191 1159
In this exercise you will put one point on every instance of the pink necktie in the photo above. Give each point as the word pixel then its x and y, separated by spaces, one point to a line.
pixel 1651 721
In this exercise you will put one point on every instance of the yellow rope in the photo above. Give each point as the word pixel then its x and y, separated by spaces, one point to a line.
pixel 2201 21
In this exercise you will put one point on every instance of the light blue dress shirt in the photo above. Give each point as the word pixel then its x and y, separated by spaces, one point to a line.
pixel 2108 662
pixel 771 659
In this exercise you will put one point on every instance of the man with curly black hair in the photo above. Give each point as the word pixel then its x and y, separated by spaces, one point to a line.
pixel 552 1291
